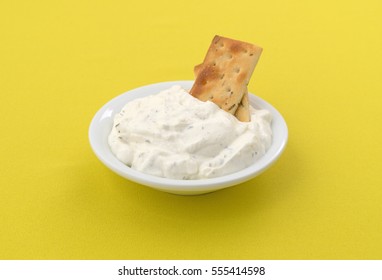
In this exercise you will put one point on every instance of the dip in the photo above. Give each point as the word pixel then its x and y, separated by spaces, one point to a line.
pixel 174 135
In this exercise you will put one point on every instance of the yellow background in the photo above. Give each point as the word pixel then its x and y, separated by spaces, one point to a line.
pixel 60 61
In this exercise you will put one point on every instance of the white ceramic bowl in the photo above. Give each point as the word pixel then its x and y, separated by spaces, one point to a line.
pixel 102 122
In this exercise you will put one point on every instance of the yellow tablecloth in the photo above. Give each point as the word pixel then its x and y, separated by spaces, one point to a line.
pixel 60 61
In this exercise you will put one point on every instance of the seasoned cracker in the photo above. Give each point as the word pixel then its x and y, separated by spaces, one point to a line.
pixel 242 112
pixel 225 72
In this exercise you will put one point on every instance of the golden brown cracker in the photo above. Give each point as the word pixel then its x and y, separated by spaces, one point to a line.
pixel 225 72
pixel 242 112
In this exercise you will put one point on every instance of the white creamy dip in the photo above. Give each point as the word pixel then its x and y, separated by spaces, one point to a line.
pixel 174 135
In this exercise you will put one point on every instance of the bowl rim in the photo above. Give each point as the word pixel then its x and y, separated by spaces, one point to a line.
pixel 195 185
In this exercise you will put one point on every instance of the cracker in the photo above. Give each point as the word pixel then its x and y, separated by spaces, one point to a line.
pixel 225 73
pixel 197 69
pixel 242 113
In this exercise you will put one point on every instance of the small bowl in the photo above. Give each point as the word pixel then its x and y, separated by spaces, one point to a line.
pixel 102 122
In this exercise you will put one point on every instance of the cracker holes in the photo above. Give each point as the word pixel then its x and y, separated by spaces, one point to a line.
pixel 230 91
pixel 232 106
